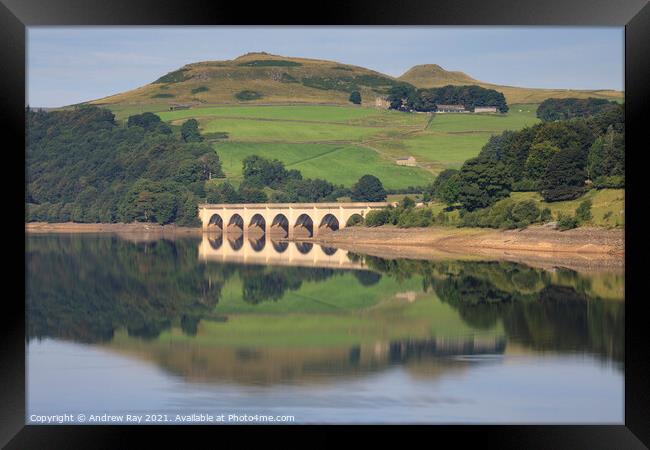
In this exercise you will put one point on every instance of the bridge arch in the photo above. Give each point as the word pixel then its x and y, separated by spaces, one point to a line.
pixel 280 225
pixel 236 221
pixel 257 222
pixel 304 223
pixel 329 222
pixel 215 222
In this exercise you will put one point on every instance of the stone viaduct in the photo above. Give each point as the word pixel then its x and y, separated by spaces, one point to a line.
pixel 286 220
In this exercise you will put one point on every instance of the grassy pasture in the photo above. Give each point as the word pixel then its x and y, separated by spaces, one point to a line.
pixel 285 131
pixel 339 164
pixel 341 143
pixel 323 113
pixel 518 117
pixel 444 150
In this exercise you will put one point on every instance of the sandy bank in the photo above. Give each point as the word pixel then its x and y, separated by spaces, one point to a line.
pixel 579 248
pixel 130 230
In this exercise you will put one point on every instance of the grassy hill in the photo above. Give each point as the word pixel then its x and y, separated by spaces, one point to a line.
pixel 259 78
pixel 262 78
pixel 432 75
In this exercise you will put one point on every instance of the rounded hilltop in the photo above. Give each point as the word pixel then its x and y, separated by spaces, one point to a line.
pixel 260 78
pixel 433 75
pixel 265 78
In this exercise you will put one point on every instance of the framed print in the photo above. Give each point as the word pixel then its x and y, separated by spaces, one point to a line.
pixel 385 214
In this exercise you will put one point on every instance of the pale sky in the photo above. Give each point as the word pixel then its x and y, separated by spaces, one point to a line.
pixel 67 65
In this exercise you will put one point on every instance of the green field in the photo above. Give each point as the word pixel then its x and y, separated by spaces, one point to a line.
pixel 340 144
pixel 339 164
pixel 285 131
pixel 442 151
pixel 301 113
pixel 518 117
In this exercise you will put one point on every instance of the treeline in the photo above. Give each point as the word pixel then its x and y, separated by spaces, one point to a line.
pixel 405 97
pixel 560 160
pixel 553 109
pixel 84 167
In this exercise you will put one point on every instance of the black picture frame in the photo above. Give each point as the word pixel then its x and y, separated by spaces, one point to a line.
pixel 16 15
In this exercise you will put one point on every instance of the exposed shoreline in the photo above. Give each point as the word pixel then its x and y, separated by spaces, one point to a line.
pixel 581 248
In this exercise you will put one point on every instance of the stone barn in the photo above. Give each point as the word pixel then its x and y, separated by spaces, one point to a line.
pixel 406 161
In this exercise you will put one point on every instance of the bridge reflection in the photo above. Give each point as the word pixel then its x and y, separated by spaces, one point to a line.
pixel 258 249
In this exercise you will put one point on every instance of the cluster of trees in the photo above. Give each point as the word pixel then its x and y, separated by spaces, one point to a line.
pixel 84 167
pixel 558 159
pixel 553 109
pixel 508 214
pixel 407 98
pixel 267 180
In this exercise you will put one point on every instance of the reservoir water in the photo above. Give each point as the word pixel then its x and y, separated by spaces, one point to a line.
pixel 177 330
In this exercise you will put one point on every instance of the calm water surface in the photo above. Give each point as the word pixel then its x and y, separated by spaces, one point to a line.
pixel 253 327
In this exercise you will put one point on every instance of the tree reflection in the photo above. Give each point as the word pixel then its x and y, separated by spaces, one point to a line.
pixel 542 310
pixel 85 288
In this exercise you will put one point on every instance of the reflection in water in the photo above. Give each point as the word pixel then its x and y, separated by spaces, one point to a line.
pixel 215 242
pixel 329 251
pixel 266 315
pixel 280 246
pixel 257 243
pixel 237 243
pixel 304 247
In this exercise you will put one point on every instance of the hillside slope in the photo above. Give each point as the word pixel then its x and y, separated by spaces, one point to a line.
pixel 262 78
pixel 269 78
pixel 432 75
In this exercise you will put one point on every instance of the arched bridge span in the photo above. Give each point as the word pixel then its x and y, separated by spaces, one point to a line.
pixel 282 219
